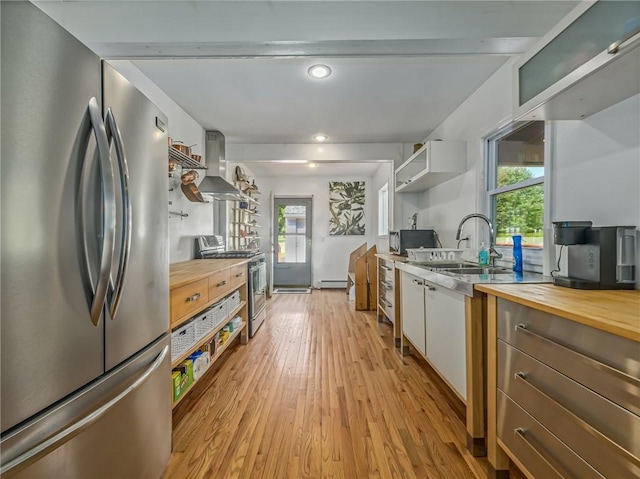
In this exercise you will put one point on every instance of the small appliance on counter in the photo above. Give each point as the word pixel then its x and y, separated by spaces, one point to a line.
pixel 400 240
pixel 598 257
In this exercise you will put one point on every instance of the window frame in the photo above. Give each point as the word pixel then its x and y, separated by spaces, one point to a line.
pixel 383 211
pixel 535 259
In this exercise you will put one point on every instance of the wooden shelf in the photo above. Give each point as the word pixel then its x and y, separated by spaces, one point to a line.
pixel 214 358
pixel 253 213
pixel 208 336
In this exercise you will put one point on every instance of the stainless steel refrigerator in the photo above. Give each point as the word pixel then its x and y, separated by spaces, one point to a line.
pixel 85 386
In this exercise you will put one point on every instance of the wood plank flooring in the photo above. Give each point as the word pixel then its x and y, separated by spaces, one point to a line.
pixel 319 392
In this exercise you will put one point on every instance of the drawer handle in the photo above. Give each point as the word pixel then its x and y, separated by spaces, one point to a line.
pixel 583 424
pixel 521 433
pixel 221 283
pixel 387 285
pixel 431 288
pixel 418 282
pixel 594 362
pixel 195 297
pixel 386 268
pixel 239 275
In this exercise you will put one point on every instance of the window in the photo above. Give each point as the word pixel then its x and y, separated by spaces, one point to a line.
pixel 383 210
pixel 515 187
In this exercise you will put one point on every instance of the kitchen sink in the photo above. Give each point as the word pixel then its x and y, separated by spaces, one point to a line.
pixel 477 270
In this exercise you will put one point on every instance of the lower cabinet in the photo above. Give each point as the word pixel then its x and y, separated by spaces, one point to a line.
pixel 412 310
pixel 445 325
pixel 566 395
pixel 433 320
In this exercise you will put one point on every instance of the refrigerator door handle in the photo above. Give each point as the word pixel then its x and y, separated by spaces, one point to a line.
pixel 69 432
pixel 113 132
pixel 108 215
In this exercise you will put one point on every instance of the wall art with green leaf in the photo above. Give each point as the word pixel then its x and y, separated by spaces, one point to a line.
pixel 346 205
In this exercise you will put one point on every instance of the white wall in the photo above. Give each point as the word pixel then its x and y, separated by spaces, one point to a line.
pixel 596 168
pixel 595 164
pixel 330 254
pixel 184 128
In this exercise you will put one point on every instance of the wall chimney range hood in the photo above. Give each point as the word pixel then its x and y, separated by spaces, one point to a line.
pixel 214 183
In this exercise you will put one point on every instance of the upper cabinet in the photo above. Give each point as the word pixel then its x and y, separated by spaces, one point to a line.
pixel 587 63
pixel 435 162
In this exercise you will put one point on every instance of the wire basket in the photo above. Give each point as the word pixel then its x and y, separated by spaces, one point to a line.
pixel 220 311
pixel 433 255
pixel 205 322
pixel 233 301
pixel 182 339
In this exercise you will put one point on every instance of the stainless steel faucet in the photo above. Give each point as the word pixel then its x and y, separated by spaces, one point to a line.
pixel 493 254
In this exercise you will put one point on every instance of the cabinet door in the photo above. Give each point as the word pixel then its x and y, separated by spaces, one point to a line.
pixel 413 324
pixel 446 335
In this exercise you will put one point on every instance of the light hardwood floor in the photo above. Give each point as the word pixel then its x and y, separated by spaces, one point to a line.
pixel 319 392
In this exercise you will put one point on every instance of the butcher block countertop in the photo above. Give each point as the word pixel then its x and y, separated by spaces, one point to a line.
pixel 189 271
pixel 616 312
pixel 392 257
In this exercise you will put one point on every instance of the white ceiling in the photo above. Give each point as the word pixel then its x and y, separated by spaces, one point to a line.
pixel 400 67
pixel 262 169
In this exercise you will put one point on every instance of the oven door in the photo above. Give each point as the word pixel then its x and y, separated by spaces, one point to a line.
pixel 257 288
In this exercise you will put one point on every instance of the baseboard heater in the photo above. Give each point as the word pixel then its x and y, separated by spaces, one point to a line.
pixel 332 284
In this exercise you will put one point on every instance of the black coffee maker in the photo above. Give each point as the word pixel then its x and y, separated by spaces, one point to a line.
pixel 598 258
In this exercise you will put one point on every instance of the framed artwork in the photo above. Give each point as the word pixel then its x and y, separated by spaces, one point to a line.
pixel 346 205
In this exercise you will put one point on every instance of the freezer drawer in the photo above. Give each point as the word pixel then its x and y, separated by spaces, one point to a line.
pixel 132 438
pixel 603 362
pixel 543 454
pixel 598 430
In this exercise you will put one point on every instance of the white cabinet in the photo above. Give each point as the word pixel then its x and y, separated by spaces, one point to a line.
pixel 586 63
pixel 434 163
pixel 412 310
pixel 445 327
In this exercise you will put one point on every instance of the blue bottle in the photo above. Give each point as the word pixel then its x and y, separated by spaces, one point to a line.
pixel 517 253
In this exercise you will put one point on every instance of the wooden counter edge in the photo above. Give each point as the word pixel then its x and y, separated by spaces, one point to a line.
pixel 628 332
pixel 173 284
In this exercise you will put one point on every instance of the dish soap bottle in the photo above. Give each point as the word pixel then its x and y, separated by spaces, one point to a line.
pixel 517 253
pixel 483 256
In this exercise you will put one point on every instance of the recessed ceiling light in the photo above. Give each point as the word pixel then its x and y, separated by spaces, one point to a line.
pixel 320 138
pixel 312 165
pixel 319 71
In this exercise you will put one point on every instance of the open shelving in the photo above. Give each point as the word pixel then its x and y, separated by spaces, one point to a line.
pixel 184 160
pixel 214 358
pixel 207 337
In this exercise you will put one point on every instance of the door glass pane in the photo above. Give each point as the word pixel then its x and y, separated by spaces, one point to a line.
pixel 292 219
pixel 292 248
pixel 521 155
pixel 519 212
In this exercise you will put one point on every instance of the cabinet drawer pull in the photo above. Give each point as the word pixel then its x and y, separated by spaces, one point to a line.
pixel 418 282
pixel 195 297
pixel 387 285
pixel 221 283
pixel 386 268
pixel 389 305
pixel 593 362
pixel 521 433
pixel 239 275
pixel 431 288
pixel 583 424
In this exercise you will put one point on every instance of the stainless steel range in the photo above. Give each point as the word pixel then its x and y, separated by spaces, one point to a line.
pixel 212 247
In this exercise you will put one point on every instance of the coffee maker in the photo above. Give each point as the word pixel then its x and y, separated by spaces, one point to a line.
pixel 598 257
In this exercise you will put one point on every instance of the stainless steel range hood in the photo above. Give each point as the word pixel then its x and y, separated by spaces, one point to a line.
pixel 214 184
